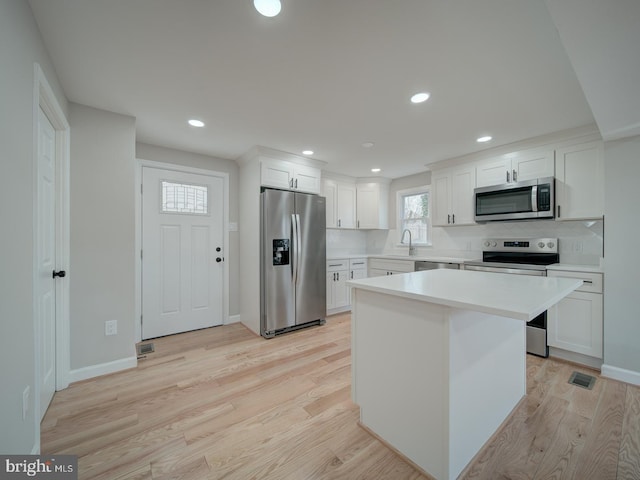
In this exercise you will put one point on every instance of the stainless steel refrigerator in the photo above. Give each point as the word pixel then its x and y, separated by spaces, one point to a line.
pixel 293 261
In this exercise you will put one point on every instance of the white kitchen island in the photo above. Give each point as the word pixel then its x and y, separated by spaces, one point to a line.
pixel 438 358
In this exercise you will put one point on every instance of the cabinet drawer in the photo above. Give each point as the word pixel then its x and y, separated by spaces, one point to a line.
pixel 391 265
pixel 592 281
pixel 358 264
pixel 335 265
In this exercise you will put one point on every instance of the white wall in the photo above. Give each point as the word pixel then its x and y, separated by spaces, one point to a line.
pixel 20 47
pixel 167 155
pixel 101 273
pixel 622 256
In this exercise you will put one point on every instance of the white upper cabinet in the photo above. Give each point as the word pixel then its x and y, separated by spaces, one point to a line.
pixel 493 172
pixel 306 179
pixel 580 181
pixel 519 166
pixel 372 205
pixel 453 196
pixel 341 203
pixel 289 176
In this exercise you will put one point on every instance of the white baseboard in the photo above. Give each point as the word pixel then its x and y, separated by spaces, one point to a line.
pixel 617 373
pixel 334 311
pixel 586 360
pixel 102 369
pixel 233 319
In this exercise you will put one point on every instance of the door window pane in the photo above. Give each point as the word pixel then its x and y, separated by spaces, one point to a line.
pixel 184 198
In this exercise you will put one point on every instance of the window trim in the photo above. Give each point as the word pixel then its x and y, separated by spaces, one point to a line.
pixel 399 214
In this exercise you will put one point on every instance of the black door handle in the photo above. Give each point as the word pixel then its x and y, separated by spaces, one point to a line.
pixel 60 274
pixel 218 259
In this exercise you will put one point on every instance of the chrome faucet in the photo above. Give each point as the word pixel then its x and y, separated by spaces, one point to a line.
pixel 412 249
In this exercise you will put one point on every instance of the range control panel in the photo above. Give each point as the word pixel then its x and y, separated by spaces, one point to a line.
pixel 531 245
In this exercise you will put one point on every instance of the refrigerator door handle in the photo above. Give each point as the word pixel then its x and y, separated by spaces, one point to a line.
pixel 294 248
pixel 298 247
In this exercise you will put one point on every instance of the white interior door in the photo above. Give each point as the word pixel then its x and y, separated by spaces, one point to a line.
pixel 182 251
pixel 46 261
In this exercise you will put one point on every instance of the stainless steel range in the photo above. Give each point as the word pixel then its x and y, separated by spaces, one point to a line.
pixel 521 256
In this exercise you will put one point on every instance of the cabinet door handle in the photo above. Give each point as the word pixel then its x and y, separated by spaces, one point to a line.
pixel 558 211
pixel 448 219
pixel 338 276
pixel 588 281
pixel 351 274
pixel 515 176
pixel 453 218
pixel 358 225
pixel 339 223
pixel 507 176
pixel 296 183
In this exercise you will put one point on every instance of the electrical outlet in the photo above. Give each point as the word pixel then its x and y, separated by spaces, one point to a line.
pixel 25 402
pixel 111 327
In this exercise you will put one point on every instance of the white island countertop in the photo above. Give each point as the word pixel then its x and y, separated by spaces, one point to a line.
pixel 515 296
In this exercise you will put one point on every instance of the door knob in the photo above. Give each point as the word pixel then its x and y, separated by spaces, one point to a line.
pixel 218 259
pixel 218 249
pixel 60 274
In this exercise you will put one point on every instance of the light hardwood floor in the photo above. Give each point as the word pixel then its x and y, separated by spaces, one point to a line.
pixel 223 403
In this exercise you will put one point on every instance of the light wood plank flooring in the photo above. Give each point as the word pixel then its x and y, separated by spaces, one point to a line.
pixel 223 403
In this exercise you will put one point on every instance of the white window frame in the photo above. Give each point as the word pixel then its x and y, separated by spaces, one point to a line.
pixel 400 212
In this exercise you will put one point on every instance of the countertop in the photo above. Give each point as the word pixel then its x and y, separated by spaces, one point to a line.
pixel 576 268
pixel 515 296
pixel 419 258
pixel 435 258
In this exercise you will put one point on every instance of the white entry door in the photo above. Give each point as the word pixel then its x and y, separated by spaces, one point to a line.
pixel 46 260
pixel 182 251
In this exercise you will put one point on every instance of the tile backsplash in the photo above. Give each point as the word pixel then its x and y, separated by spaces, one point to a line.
pixel 580 242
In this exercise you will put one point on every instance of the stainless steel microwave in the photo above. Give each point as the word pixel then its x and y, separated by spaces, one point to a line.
pixel 527 200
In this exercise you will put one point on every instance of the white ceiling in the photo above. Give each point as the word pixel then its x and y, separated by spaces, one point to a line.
pixel 325 75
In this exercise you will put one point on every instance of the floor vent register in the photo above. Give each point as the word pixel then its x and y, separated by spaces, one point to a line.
pixel 582 380
pixel 145 348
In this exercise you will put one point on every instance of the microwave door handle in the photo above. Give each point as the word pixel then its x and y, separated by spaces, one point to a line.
pixel 534 198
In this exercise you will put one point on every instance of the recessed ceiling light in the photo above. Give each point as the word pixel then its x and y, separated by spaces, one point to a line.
pixel 268 8
pixel 375 170
pixel 420 97
pixel 484 139
pixel 196 123
pixel 367 144
pixel 307 152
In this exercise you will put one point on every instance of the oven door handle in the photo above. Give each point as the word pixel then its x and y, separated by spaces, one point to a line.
pixel 534 198
pixel 514 271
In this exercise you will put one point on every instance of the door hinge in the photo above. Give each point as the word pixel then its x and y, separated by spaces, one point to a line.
pixel 140 254
pixel 140 189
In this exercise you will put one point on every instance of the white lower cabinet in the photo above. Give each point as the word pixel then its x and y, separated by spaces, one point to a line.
pixel 385 266
pixel 357 270
pixel 575 324
pixel 338 273
pixel 337 290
